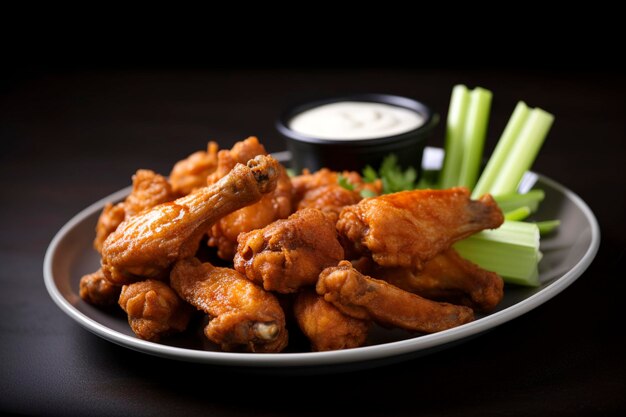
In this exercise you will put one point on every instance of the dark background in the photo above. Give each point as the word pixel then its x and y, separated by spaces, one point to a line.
pixel 73 133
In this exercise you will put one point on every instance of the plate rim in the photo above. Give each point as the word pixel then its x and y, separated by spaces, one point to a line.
pixel 299 359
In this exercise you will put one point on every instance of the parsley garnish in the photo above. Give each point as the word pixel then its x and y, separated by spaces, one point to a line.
pixel 345 182
pixel 393 177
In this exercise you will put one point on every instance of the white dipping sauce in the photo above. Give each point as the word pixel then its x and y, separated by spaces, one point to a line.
pixel 352 120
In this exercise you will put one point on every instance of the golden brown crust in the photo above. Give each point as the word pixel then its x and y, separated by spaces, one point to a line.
pixel 325 326
pixel 242 315
pixel 410 227
pixel 366 298
pixel 149 189
pixel 272 206
pixel 97 290
pixel 192 172
pixel 322 190
pixel 110 218
pixel 449 277
pixel 147 244
pixel 289 254
pixel 154 310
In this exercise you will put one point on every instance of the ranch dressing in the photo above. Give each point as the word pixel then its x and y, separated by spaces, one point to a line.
pixel 353 120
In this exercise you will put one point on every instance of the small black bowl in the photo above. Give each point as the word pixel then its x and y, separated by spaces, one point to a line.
pixel 315 153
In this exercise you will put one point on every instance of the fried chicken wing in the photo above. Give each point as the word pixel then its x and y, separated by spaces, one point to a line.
pixel 149 190
pixel 322 190
pixel 147 244
pixel 192 172
pixel 154 310
pixel 241 152
pixel 325 326
pixel 289 253
pixel 410 227
pixel 242 316
pixel 272 206
pixel 111 217
pixel 363 297
pixel 97 290
pixel 449 277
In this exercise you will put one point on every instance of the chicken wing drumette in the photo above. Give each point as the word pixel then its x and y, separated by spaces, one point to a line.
pixel 242 316
pixel 289 253
pixel 411 227
pixel 99 291
pixel 147 244
pixel 192 172
pixel 149 189
pixel 325 326
pixel 154 310
pixel 366 298
pixel 272 206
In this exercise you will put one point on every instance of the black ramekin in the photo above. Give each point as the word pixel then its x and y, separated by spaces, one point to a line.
pixel 315 153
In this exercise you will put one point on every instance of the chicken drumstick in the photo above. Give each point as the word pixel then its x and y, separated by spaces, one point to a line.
pixel 146 245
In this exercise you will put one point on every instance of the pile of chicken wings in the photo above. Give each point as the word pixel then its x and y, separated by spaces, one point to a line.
pixel 302 254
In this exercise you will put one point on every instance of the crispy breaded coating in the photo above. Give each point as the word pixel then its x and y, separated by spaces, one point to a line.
pixel 325 326
pixel 322 190
pixel 449 277
pixel 97 290
pixel 366 298
pixel 242 316
pixel 192 172
pixel 154 309
pixel 272 206
pixel 111 217
pixel 149 190
pixel 289 254
pixel 411 227
pixel 147 244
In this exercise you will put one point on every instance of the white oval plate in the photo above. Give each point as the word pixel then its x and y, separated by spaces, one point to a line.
pixel 567 253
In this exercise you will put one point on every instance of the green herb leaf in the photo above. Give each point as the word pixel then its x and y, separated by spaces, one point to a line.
pixel 395 179
pixel 345 182
pixel 369 174
pixel 367 193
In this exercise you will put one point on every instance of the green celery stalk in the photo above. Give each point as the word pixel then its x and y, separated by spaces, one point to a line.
pixel 518 214
pixel 510 202
pixel 455 125
pixel 523 152
pixel 502 150
pixel 512 251
pixel 547 226
pixel 474 133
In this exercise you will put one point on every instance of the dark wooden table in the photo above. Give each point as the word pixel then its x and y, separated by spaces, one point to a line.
pixel 71 137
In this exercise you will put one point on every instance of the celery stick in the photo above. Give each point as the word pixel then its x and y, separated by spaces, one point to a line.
pixel 510 202
pixel 453 146
pixel 502 149
pixel 518 214
pixel 523 152
pixel 547 226
pixel 474 134
pixel 512 251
